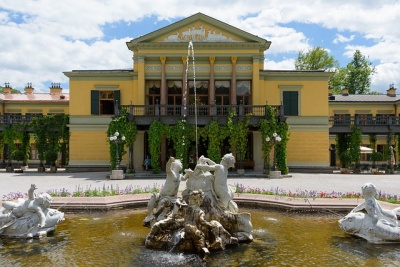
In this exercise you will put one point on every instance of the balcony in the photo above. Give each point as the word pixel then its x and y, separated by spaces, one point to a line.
pixel 171 114
pixel 381 124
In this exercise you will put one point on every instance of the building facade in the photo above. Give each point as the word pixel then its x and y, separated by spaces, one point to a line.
pixel 204 59
pixel 196 68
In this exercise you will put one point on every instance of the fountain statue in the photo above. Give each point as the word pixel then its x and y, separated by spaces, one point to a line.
pixel 205 217
pixel 372 222
pixel 29 218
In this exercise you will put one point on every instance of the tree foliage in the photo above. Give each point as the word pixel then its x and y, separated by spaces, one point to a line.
pixel 356 76
pixel 316 58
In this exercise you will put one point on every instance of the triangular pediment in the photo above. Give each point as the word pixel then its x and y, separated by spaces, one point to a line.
pixel 199 28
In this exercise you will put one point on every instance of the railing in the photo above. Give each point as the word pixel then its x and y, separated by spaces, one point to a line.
pixel 202 110
pixel 169 111
pixel 14 119
pixel 362 121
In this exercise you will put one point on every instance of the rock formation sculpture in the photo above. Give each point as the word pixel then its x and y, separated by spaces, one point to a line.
pixel 206 218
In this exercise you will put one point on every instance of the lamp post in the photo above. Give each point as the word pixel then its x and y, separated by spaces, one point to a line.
pixel 116 139
pixel 275 139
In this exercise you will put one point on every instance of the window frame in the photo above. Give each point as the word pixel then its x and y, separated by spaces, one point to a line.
pixel 291 88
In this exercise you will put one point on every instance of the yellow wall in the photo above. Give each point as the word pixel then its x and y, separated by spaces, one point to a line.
pixel 89 148
pixel 353 108
pixel 80 98
pixel 308 149
pixel 36 107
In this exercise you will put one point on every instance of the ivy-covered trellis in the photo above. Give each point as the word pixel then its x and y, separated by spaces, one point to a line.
pixel 215 134
pixel 50 132
pixel 348 148
pixel 157 131
pixel 126 128
pixel 268 127
pixel 182 135
pixel 238 134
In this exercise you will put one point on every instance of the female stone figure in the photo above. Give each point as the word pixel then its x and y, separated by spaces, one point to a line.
pixel 164 201
pixel 221 189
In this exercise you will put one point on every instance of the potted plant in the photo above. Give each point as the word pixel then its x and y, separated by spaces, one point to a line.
pixel 345 158
pixel 375 156
pixel 18 155
pixel 51 157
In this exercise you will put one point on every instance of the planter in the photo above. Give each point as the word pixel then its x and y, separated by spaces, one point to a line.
pixel 345 171
pixel 41 169
pixel 53 169
pixel 117 175
pixel 240 171
pixel 24 168
pixel 275 174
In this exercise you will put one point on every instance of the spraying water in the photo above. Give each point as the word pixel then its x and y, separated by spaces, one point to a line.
pixel 191 53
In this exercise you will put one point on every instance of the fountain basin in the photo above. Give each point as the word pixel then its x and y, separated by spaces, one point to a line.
pixel 116 238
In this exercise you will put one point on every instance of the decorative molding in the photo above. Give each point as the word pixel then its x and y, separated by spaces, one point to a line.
pixel 200 68
pixel 244 68
pixel 153 68
pixel 106 87
pixel 222 68
pixel 173 68
pixel 199 34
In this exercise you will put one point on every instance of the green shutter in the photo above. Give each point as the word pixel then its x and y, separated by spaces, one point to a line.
pixel 117 97
pixel 291 103
pixel 94 102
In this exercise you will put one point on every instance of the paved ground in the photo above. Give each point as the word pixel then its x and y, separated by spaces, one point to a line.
pixel 20 182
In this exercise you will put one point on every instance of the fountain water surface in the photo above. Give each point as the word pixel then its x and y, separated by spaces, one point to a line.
pixel 117 239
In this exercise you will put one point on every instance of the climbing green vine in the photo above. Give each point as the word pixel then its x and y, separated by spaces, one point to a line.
pixel 267 128
pixel 354 148
pixel 215 134
pixel 125 128
pixel 238 133
pixel 182 134
pixel 156 132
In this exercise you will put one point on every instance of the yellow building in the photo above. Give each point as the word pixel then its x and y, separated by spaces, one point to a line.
pixel 22 107
pixel 376 116
pixel 228 64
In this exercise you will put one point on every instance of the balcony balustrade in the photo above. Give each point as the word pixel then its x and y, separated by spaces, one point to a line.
pixel 145 114
pixel 367 124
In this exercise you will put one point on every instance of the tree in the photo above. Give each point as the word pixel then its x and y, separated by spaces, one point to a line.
pixel 13 91
pixel 315 59
pixel 356 76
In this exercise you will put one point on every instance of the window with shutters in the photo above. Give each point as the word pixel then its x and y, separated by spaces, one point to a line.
pixel 103 102
pixel 291 103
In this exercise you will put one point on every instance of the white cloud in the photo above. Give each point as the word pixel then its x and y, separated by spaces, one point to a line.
pixel 343 39
pixel 286 64
pixel 43 38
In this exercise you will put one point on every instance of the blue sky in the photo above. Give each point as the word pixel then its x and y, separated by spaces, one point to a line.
pixel 42 39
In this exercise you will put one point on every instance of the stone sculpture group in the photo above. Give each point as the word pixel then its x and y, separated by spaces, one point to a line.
pixel 372 222
pixel 205 217
pixel 29 218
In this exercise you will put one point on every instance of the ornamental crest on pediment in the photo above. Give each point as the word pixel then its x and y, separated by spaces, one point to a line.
pixel 199 34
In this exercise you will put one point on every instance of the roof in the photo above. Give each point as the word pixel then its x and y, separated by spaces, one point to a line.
pixel 115 70
pixel 35 97
pixel 364 98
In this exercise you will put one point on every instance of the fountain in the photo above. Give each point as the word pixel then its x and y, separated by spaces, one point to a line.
pixel 116 238
pixel 372 222
pixel 29 218
pixel 205 217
